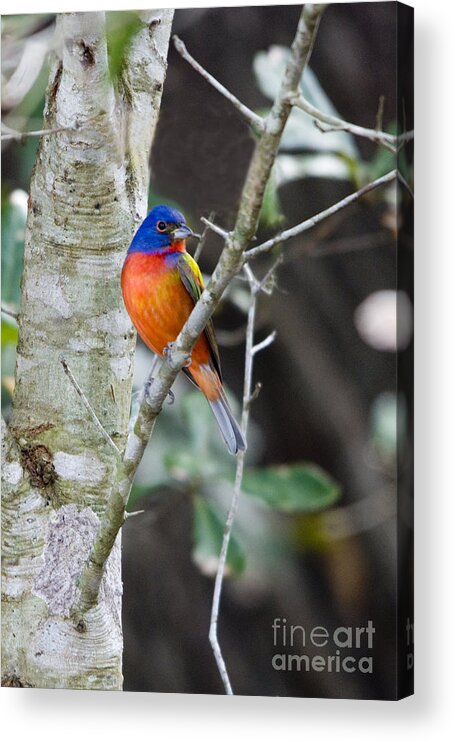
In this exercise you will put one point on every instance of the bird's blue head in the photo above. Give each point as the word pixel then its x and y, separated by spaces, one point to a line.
pixel 162 228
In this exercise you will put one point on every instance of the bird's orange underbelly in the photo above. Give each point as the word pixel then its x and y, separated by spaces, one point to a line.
pixel 158 304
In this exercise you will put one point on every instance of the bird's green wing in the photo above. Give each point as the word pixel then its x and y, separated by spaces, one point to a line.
pixel 191 278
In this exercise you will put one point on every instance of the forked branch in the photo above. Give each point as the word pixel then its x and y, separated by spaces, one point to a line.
pixel 327 122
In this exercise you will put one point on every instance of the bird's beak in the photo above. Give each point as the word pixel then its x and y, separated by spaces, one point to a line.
pixel 182 232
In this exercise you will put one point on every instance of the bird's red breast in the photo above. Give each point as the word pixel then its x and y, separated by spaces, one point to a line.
pixel 159 305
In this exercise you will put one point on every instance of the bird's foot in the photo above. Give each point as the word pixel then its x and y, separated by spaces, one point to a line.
pixel 167 353
pixel 167 350
pixel 147 387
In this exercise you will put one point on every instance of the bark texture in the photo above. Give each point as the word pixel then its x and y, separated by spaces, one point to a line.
pixel 88 192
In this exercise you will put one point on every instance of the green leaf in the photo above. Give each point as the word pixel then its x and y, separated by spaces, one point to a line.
pixel 121 27
pixel 10 331
pixel 185 465
pixel 203 455
pixel 271 214
pixel 311 533
pixel 14 214
pixel 292 489
pixel 208 529
pixel 8 356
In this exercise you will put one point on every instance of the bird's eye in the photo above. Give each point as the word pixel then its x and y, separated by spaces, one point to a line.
pixel 161 226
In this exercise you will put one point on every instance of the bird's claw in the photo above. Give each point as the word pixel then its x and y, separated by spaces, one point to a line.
pixel 167 350
pixel 147 386
pixel 167 353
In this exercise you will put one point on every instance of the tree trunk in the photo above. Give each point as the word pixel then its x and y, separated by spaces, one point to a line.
pixel 88 192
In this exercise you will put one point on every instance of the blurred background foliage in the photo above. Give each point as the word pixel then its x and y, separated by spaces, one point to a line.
pixel 315 536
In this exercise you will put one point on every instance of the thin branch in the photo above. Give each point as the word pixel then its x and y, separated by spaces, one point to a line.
pixel 326 122
pixel 257 122
pixel 20 136
pixel 9 134
pixel 88 406
pixel 215 228
pixel 229 264
pixel 264 343
pixel 248 396
pixel 213 632
pixel 405 183
pixel 10 313
pixel 406 136
pixel 269 276
pixel 313 220
pixel 134 513
pixel 255 285
pixel 203 238
pixel 255 393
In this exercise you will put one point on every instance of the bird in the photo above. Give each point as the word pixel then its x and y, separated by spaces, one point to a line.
pixel 161 282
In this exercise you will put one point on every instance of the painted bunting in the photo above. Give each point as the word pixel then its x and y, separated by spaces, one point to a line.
pixel 161 283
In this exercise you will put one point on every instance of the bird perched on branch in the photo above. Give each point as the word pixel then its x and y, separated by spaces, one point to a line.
pixel 161 283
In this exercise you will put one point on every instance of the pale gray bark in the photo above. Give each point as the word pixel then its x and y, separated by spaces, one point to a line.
pixel 88 192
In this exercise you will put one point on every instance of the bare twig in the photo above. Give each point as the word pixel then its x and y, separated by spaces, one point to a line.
pixel 255 393
pixel 264 343
pixel 313 220
pixel 134 513
pixel 23 135
pixel 229 264
pixel 20 136
pixel 213 632
pixel 88 406
pixel 404 138
pixel 10 313
pixel 215 228
pixel 269 277
pixel 250 352
pixel 405 183
pixel 203 238
pixel 257 122
pixel 326 122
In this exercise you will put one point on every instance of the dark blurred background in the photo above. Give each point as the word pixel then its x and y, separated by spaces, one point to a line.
pixel 328 382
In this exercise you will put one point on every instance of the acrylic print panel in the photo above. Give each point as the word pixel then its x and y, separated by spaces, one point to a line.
pixel 137 146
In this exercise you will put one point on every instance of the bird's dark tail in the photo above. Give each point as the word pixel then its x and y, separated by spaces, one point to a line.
pixel 227 424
